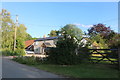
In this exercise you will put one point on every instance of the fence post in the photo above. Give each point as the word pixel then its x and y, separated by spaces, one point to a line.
pixel 119 58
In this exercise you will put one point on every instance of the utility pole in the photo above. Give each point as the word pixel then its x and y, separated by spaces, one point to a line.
pixel 15 28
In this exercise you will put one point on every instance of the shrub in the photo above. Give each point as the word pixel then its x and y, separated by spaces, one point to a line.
pixel 7 52
pixel 19 59
pixel 26 60
pixel 62 57
pixel 83 53
pixel 66 47
pixel 29 60
pixel 40 60
pixel 17 52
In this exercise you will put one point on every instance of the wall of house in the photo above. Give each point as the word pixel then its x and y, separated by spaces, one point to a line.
pixel 39 49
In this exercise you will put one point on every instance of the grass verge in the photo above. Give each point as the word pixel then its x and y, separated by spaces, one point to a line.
pixel 75 71
pixel 81 71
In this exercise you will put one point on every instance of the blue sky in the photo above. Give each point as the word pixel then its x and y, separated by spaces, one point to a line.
pixel 42 17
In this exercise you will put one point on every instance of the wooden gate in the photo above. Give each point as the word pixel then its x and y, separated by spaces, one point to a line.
pixel 104 55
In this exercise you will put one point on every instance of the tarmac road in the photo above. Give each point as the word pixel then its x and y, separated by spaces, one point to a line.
pixel 11 69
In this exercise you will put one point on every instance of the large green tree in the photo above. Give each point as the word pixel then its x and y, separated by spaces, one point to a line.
pixel 8 29
pixel 72 30
pixel 21 36
pixel 65 51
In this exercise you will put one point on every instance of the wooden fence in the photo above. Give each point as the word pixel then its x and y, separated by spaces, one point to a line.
pixel 105 55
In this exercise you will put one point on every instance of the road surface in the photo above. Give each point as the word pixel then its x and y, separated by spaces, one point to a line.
pixel 11 69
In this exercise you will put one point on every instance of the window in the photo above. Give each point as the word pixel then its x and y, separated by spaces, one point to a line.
pixel 36 43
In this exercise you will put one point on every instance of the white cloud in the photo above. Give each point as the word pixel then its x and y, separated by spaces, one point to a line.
pixel 82 25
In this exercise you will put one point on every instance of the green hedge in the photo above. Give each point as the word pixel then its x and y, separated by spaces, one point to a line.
pixel 29 60
pixel 67 57
pixel 25 60
pixel 17 52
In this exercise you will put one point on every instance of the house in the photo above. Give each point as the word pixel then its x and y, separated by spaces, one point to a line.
pixel 86 40
pixel 29 45
pixel 42 43
pixel 47 42
pixel 39 45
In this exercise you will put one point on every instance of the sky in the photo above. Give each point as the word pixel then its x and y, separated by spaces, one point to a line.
pixel 42 17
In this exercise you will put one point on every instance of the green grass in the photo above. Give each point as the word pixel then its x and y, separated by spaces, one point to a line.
pixel 76 71
pixel 81 71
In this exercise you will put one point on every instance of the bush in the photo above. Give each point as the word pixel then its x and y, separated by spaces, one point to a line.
pixel 7 52
pixel 40 60
pixel 19 59
pixel 83 54
pixel 17 52
pixel 62 57
pixel 26 60
pixel 67 57
pixel 29 60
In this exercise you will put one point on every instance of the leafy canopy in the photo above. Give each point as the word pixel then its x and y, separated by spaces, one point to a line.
pixel 8 29
pixel 72 30
pixel 53 33
pixel 100 29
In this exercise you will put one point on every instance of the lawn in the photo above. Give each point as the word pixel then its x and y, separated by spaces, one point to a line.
pixel 82 71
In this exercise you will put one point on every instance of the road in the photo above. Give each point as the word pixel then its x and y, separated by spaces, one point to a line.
pixel 11 69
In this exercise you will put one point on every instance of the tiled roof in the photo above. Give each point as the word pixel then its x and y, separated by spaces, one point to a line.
pixel 47 38
pixel 28 43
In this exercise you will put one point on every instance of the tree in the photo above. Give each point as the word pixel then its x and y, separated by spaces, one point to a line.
pixel 72 30
pixel 7 33
pixel 21 36
pixel 53 33
pixel 7 30
pixel 101 34
pixel 114 42
pixel 65 51
pixel 35 38
pixel 100 29
pixel 28 37
pixel 98 39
